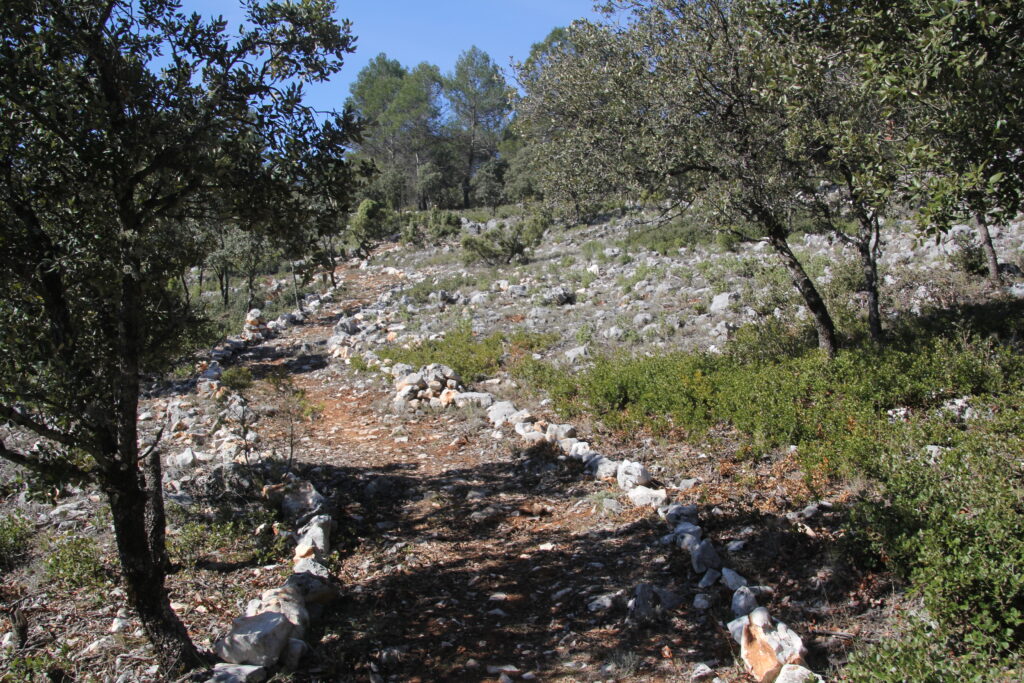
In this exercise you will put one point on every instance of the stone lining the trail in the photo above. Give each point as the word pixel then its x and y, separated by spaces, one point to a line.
pixel 771 652
pixel 270 634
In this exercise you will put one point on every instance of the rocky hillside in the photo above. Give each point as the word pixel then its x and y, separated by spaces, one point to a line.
pixel 346 503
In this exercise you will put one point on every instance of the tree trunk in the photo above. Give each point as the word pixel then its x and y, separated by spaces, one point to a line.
pixel 184 288
pixel 156 518
pixel 869 247
pixel 815 304
pixel 295 289
pixel 250 282
pixel 137 512
pixel 981 224
pixel 144 574
pixel 224 283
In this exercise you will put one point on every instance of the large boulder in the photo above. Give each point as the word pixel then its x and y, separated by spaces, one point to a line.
pixel 632 474
pixel 767 647
pixel 257 640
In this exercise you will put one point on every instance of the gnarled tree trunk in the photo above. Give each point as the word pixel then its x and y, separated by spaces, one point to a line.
pixel 815 304
pixel 137 505
pixel 985 237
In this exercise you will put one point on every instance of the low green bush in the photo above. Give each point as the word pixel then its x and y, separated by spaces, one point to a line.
pixel 968 256
pixel 15 532
pixel 237 378
pixel 472 356
pixel 420 292
pixel 506 243
pixel 442 225
pixel 226 541
pixel 76 562
pixel 926 653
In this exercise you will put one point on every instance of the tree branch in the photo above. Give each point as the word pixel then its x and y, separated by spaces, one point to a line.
pixel 28 422
pixel 50 469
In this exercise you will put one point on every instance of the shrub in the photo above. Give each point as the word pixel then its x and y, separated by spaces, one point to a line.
pixel 226 541
pixel 75 562
pixel 412 233
pixel 967 256
pixel 370 224
pixel 926 653
pixel 442 225
pixel 15 532
pixel 473 357
pixel 950 521
pixel 505 243
pixel 237 378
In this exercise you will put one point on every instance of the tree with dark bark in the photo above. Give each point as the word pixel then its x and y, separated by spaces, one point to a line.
pixel 122 122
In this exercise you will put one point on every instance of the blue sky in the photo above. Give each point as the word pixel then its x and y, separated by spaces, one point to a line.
pixel 414 31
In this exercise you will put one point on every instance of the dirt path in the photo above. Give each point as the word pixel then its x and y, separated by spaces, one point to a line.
pixel 464 557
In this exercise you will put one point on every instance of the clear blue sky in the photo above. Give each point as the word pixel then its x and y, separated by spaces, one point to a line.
pixel 414 31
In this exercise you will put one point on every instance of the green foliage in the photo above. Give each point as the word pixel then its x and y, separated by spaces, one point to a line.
pixel 473 357
pixel 419 293
pixel 505 243
pixel 371 223
pixel 42 666
pixel 76 562
pixel 925 653
pixel 951 520
pixel 968 257
pixel 15 532
pixel 443 225
pixel 489 183
pixel 237 378
pixel 771 386
pixel 227 541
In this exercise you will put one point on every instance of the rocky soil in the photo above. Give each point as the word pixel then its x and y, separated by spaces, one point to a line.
pixel 461 531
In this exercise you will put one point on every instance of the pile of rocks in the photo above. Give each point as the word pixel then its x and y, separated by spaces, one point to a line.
pixel 434 385
pixel 255 329
pixel 271 633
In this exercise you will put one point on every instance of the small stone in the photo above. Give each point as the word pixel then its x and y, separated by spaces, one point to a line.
pixel 794 673
pixel 732 579
pixel 710 578
pixel 237 673
pixel 743 601
pixel 559 432
pixel 705 557
pixel 257 640
pixel 701 673
pixel 601 603
pixel 702 601
pixel 722 301
pixel 602 468
pixel 474 398
pixel 676 513
pixel 500 412
pixel 632 474
pixel 641 496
